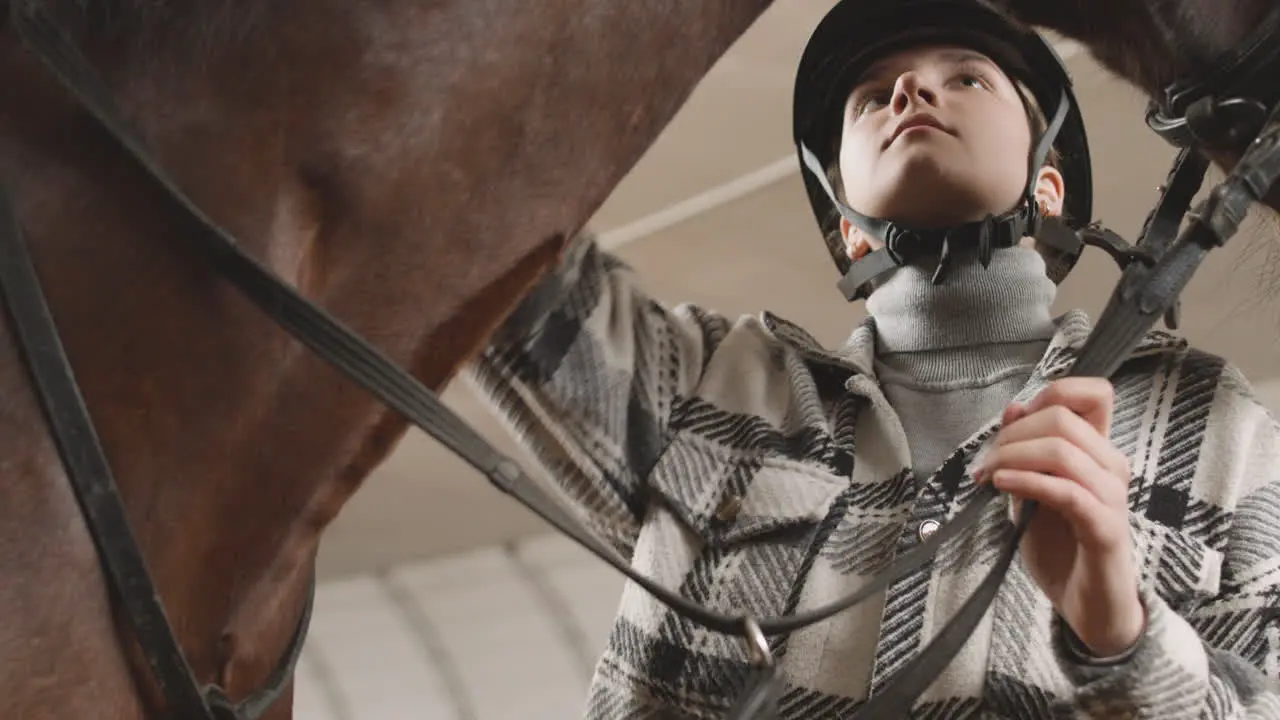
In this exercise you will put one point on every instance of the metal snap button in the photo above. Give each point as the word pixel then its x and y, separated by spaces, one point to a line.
pixel 729 508
pixel 928 528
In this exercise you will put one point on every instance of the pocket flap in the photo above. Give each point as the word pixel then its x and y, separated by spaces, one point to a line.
pixel 727 500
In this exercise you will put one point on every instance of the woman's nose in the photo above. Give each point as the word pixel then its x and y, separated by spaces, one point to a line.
pixel 911 90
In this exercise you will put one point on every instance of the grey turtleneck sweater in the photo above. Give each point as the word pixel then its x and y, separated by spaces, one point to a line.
pixel 951 357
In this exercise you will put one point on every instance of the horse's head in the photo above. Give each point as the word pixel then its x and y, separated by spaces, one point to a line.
pixel 1155 43
pixel 410 166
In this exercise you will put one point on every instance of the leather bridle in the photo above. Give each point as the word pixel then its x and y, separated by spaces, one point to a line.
pixel 1227 105
pixel 1156 271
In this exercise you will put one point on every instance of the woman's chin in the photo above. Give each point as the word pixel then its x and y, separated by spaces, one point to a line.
pixel 937 213
pixel 926 193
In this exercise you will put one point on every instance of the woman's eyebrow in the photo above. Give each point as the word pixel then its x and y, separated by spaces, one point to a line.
pixel 966 56
pixel 874 72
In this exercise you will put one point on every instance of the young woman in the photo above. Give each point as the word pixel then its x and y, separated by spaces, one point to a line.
pixel 756 471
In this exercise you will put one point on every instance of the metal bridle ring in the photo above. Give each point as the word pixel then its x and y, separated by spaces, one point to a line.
pixel 757 644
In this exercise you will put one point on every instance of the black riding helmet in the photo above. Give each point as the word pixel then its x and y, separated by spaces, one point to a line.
pixel 857 33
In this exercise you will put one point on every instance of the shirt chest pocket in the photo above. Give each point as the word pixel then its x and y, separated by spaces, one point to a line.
pixel 736 533
pixel 728 498
pixel 731 530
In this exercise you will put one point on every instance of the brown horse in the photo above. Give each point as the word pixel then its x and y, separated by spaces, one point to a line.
pixel 1154 43
pixel 410 165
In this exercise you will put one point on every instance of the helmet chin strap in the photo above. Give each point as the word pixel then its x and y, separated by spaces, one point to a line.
pixel 902 244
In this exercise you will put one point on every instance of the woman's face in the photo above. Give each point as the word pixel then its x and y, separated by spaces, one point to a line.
pixel 936 136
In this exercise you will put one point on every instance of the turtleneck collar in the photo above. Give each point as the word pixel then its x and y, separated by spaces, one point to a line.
pixel 1007 302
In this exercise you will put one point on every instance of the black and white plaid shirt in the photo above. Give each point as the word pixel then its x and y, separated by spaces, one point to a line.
pixel 740 462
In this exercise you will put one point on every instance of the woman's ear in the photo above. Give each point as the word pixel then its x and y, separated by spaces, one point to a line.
pixel 855 243
pixel 1050 191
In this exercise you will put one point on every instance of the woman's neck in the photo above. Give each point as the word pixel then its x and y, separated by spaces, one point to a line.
pixel 1009 301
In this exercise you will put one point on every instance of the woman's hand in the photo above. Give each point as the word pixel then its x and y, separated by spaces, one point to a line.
pixel 1057 452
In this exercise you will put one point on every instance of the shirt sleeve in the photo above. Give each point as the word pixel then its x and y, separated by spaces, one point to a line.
pixel 1222 658
pixel 584 374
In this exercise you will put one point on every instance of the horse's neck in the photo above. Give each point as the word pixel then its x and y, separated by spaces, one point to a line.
pixel 414 205
pixel 231 446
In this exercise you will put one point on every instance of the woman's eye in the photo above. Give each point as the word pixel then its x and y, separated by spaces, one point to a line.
pixel 871 102
pixel 972 81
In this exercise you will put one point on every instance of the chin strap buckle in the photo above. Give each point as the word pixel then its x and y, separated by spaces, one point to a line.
pixel 944 258
pixel 986 240
pixel 992 233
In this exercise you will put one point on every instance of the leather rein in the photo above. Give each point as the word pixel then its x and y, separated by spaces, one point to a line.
pixel 1156 270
